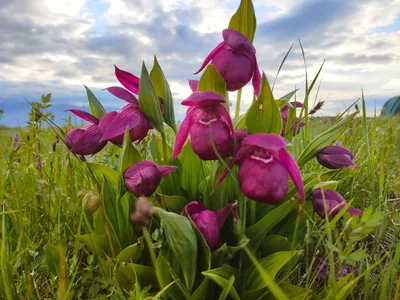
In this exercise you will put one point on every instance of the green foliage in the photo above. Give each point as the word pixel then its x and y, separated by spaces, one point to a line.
pixel 96 107
pixel 244 20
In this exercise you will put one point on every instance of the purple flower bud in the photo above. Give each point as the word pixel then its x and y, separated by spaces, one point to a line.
pixel 296 124
pixel 85 141
pixel 332 202
pixel 322 270
pixel 143 178
pixel 264 166
pixel 208 123
pixel 235 59
pixel 207 221
pixel 336 157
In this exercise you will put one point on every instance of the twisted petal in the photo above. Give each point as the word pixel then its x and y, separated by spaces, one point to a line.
pixel 123 94
pixel 223 213
pixel 293 169
pixel 210 56
pixel 183 133
pixel 203 98
pixel 89 142
pixel 193 85
pixel 267 141
pixel 129 81
pixel 84 115
pixel 165 170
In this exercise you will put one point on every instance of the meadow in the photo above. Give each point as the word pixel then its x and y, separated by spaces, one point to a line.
pixel 274 203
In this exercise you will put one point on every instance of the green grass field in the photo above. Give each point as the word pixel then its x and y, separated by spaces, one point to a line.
pixel 42 187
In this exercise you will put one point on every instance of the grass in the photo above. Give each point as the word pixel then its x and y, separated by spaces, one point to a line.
pixel 41 212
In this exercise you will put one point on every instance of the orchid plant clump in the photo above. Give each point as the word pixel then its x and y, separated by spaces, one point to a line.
pixel 216 193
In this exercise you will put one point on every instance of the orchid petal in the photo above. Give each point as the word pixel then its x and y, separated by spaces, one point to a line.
pixel 165 170
pixel 194 207
pixel 256 75
pixel 354 211
pixel 238 42
pixel 129 81
pixel 223 213
pixel 126 118
pixel 89 142
pixel 123 94
pixel 224 113
pixel 210 56
pixel 183 133
pixel 193 85
pixel 203 98
pixel 293 169
pixel 266 141
pixel 225 173
pixel 84 115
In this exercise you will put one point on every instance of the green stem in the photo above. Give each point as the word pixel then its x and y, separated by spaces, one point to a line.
pixel 164 141
pixel 239 97
pixel 146 235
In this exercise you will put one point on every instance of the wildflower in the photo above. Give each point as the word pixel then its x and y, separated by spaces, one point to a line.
pixel 264 166
pixel 193 84
pixel 332 202
pixel 208 123
pixel 143 178
pixel 207 221
pixel 87 140
pixel 336 157
pixel 16 142
pixel 296 124
pixel 235 59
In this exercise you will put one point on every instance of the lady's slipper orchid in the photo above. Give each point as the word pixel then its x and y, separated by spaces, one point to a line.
pixel 87 140
pixel 235 59
pixel 336 157
pixel 296 125
pixel 332 202
pixel 207 221
pixel 239 135
pixel 264 165
pixel 143 178
pixel 208 123
pixel 113 124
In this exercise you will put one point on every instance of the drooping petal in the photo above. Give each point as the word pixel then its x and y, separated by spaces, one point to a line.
pixel 210 56
pixel 142 178
pixel 268 141
pixel 256 75
pixel 207 223
pixel 354 211
pixel 224 113
pixel 106 121
pixel 203 99
pixel 293 169
pixel 165 170
pixel 223 213
pixel 128 117
pixel 128 80
pixel 123 94
pixel 225 173
pixel 336 150
pixel 238 42
pixel 194 207
pixel 193 85
pixel 84 115
pixel 183 133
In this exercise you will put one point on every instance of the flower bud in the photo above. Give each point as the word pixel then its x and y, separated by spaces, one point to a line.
pixel 16 142
pixel 336 157
pixel 91 202
pixel 332 202
pixel 143 178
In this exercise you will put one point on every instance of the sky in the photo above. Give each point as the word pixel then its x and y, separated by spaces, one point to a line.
pixel 57 46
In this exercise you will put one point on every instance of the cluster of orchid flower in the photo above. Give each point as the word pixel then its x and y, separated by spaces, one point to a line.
pixel 264 163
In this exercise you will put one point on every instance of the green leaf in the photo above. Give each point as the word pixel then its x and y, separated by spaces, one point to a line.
pixel 326 185
pixel 212 81
pixel 96 107
pixel 97 243
pixel 172 203
pixel 128 274
pixel 101 171
pixel 258 231
pixel 263 115
pixel 274 243
pixel 272 264
pixel 293 292
pixel 201 292
pixel 244 20
pixel 357 256
pixel 129 154
pixel 240 122
pixel 189 162
pixel 148 100
pixel 182 241
pixel 1 112
pixel 52 255
pixel 225 253
pixel 164 92
pixel 222 277
pixel 324 139
pixel 132 253
pixel 285 99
